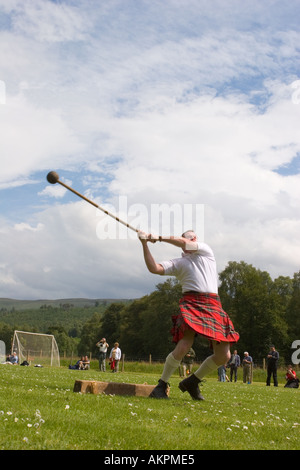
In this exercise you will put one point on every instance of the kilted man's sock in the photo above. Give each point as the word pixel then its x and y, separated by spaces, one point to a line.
pixel 170 366
pixel 206 367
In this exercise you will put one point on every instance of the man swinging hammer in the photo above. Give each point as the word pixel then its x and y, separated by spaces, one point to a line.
pixel 200 309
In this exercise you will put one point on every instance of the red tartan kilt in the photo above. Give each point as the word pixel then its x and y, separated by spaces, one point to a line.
pixel 204 314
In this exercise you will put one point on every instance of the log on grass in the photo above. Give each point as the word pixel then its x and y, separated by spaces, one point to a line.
pixel 112 388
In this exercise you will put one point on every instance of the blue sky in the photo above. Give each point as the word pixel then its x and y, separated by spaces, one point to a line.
pixel 174 102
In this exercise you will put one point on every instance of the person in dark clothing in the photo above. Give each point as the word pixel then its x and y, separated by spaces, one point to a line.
pixel 187 363
pixel 234 363
pixel 272 358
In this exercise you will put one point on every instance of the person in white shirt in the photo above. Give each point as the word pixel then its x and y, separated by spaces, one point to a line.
pixel 200 309
pixel 114 357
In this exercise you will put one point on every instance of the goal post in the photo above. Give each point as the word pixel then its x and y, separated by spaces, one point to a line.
pixel 36 348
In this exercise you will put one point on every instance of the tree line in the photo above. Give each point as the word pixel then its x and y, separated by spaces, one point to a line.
pixel 263 311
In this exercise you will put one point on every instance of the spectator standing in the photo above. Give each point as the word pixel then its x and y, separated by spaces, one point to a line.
pixel 234 363
pixel 115 356
pixel 247 368
pixel 187 362
pixel 103 346
pixel 272 358
pixel 222 373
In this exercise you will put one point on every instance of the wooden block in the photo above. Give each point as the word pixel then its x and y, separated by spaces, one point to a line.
pixel 83 386
pixel 112 388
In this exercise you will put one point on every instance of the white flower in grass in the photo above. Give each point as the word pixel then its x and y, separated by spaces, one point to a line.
pixel 67 407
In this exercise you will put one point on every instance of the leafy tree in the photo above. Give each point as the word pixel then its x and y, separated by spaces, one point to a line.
pixel 131 327
pixel 90 334
pixel 6 335
pixel 146 323
pixel 111 323
pixel 163 304
pixel 249 297
pixel 293 310
pixel 65 343
pixel 263 311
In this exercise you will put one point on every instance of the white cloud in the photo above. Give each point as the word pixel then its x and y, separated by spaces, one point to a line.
pixel 46 21
pixel 63 257
pixel 208 145
pixel 33 136
pixel 161 103
pixel 23 226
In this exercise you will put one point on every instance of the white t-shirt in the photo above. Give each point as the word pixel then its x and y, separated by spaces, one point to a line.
pixel 115 353
pixel 102 347
pixel 196 271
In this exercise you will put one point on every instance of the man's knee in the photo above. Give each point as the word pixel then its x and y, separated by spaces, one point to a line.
pixel 183 346
pixel 222 354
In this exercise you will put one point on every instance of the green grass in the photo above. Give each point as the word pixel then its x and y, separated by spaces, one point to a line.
pixel 40 411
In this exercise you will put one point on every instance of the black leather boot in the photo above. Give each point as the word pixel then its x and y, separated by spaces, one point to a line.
pixel 161 390
pixel 191 385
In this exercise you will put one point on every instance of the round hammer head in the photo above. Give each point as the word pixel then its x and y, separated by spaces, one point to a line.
pixel 52 177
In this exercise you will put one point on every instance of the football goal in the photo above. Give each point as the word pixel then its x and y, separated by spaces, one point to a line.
pixel 36 348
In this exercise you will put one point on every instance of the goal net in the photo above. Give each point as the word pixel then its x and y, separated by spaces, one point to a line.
pixel 36 348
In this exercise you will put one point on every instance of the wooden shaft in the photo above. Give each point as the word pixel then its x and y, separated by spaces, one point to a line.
pixel 96 205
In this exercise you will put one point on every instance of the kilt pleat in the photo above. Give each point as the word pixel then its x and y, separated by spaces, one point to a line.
pixel 204 314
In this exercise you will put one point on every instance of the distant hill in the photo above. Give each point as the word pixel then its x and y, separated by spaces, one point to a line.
pixel 40 315
pixel 14 304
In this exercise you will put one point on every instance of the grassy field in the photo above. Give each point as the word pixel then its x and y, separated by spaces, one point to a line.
pixel 40 411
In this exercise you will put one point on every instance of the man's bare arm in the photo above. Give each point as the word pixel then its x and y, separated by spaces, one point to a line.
pixel 181 242
pixel 153 267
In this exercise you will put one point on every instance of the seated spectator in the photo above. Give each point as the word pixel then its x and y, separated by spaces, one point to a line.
pixel 78 365
pixel 85 363
pixel 12 358
pixel 291 378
